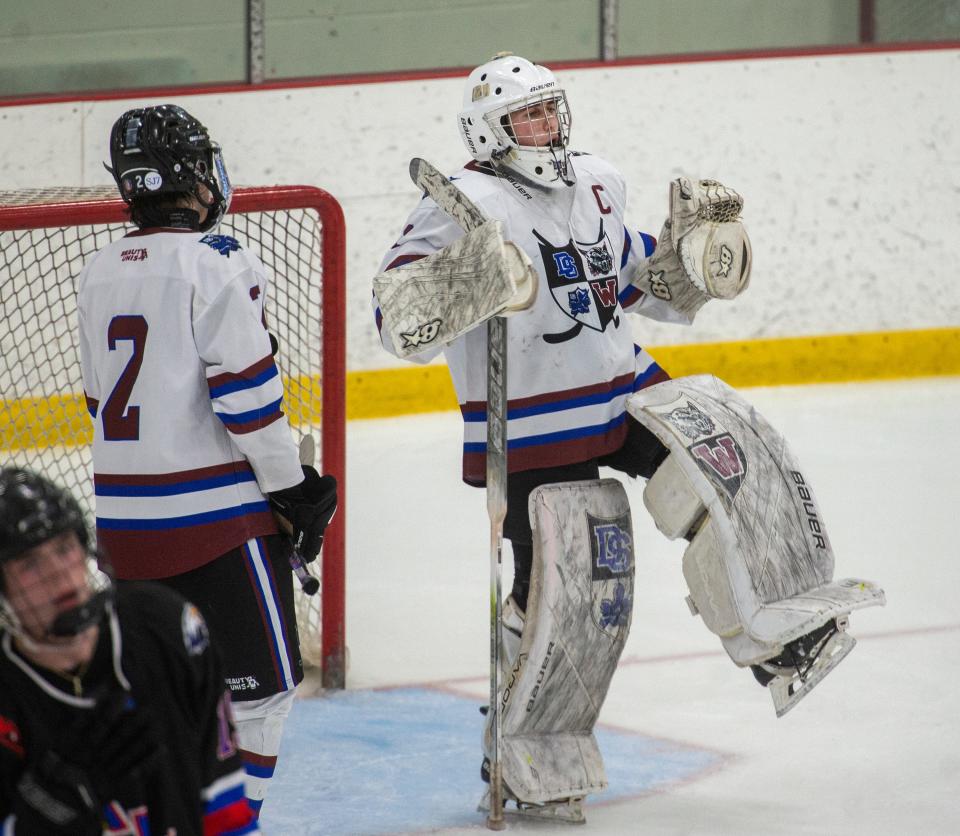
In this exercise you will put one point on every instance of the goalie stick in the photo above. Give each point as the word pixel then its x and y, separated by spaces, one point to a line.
pixel 456 204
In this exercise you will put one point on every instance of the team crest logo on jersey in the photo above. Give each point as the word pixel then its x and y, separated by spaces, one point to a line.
pixel 196 639
pixel 583 283
pixel 611 592
pixel 223 244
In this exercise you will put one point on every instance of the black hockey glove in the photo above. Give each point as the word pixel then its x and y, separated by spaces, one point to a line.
pixel 54 798
pixel 304 510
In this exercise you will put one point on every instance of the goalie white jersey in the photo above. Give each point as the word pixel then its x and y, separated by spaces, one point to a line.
pixel 571 358
pixel 186 400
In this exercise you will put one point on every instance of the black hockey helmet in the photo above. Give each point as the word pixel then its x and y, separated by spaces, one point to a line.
pixel 163 150
pixel 33 510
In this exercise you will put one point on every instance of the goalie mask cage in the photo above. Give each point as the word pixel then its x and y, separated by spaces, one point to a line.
pixel 299 234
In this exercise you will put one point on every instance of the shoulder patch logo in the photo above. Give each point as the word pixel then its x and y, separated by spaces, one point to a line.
pixel 223 244
pixel 196 639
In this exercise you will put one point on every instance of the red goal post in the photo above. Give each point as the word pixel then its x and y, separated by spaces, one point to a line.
pixel 299 234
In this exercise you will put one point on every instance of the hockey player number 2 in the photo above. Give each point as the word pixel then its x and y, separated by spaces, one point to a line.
pixel 121 423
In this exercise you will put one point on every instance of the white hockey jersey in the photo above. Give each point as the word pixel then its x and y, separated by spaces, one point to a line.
pixel 186 400
pixel 571 359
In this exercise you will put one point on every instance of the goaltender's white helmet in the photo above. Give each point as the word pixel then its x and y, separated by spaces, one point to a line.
pixel 505 85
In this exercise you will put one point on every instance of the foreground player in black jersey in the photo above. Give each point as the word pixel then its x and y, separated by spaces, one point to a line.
pixel 114 716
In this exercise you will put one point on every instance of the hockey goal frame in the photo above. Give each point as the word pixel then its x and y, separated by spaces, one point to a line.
pixel 63 208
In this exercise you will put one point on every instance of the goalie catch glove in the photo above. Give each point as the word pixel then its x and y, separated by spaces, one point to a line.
pixel 703 252
pixel 304 510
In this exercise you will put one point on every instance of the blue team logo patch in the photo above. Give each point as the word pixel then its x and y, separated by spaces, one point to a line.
pixel 611 548
pixel 566 265
pixel 615 611
pixel 196 639
pixel 223 244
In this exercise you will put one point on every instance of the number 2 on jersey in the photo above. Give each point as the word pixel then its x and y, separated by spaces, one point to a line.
pixel 120 421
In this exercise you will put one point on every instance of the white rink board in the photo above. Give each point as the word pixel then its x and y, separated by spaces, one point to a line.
pixel 848 163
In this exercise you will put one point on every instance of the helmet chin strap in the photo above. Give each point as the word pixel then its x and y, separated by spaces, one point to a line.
pixel 75 621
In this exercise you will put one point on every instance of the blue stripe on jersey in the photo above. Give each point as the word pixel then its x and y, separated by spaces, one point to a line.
pixel 627 244
pixel 629 295
pixel 649 244
pixel 248 383
pixel 229 796
pixel 250 415
pixel 113 524
pixel 550 438
pixel 256 770
pixel 189 486
pixel 480 416
pixel 645 375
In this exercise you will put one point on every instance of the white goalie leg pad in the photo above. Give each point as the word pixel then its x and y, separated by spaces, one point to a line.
pixel 436 299
pixel 760 565
pixel 577 621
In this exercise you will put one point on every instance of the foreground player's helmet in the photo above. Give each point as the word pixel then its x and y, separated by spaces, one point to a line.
pixel 163 150
pixel 33 510
pixel 499 94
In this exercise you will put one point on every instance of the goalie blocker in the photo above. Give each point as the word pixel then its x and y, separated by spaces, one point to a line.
pixel 759 566
pixel 432 301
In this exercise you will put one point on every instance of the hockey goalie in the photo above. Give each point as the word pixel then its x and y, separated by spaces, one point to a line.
pixel 534 232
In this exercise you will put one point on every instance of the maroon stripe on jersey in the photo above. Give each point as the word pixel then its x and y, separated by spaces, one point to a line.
pixel 631 295
pixel 409 258
pixel 172 478
pixel 255 424
pixel 92 404
pixel 257 759
pixel 480 168
pixel 246 374
pixel 553 397
pixel 658 377
pixel 146 555
pixel 555 454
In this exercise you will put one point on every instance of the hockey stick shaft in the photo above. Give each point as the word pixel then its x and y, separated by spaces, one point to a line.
pixel 456 204
pixel 497 511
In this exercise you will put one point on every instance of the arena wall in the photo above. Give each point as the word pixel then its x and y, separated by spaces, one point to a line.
pixel 849 163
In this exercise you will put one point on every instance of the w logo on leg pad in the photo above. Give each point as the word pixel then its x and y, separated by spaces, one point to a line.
pixel 722 459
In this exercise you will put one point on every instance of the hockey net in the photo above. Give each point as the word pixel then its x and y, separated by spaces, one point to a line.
pixel 298 232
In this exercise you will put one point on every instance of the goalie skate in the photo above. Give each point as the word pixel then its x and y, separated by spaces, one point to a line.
pixel 568 810
pixel 804 663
